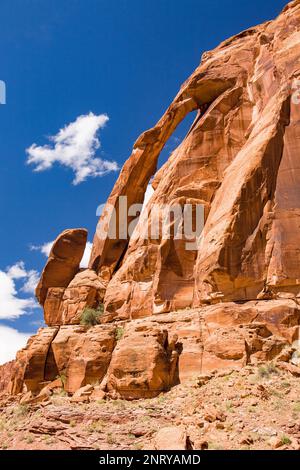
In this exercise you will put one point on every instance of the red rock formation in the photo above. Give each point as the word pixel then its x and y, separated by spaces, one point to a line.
pixel 144 357
pixel 240 162
pixel 90 357
pixel 64 290
pixel 143 363
pixel 30 364
pixel 5 376
pixel 63 261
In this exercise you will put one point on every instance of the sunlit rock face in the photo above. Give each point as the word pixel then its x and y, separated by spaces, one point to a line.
pixel 240 160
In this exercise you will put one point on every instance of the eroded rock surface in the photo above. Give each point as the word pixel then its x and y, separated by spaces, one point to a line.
pixel 63 262
pixel 239 160
pixel 145 357
pixel 172 313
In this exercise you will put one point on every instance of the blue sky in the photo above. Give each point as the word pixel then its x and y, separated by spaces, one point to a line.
pixel 62 59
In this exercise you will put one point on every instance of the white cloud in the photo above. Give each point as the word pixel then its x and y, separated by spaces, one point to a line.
pixel 31 282
pixel 46 248
pixel 17 271
pixel 11 305
pixel 11 341
pixel 74 146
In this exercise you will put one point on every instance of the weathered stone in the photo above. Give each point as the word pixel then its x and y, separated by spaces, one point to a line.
pixel 234 295
pixel 5 376
pixel 90 357
pixel 29 368
pixel 172 438
pixel 244 143
pixel 64 306
pixel 144 363
pixel 63 262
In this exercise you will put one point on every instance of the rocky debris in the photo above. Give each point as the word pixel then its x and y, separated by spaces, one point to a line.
pixel 242 417
pixel 82 394
pixel 172 438
pixel 97 394
pixel 211 415
pixel 294 370
pixel 275 442
pixel 30 399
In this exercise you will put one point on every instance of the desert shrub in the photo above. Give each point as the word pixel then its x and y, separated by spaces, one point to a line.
pixel 119 333
pixel 63 378
pixel 265 372
pixel 285 440
pixel 91 316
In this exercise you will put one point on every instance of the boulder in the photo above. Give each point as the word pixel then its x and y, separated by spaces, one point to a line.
pixel 90 357
pixel 30 364
pixel 172 438
pixel 85 290
pixel 63 262
pixel 64 306
pixel 144 362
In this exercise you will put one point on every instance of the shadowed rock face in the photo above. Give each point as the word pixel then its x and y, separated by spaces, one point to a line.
pixel 240 160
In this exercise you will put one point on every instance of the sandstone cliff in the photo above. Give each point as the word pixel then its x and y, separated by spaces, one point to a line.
pixel 232 300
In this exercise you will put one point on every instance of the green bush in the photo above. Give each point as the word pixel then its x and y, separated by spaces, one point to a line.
pixel 265 372
pixel 119 333
pixel 285 440
pixel 91 316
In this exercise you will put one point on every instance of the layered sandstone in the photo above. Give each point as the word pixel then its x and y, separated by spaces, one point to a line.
pixel 239 160
pixel 145 357
pixel 233 299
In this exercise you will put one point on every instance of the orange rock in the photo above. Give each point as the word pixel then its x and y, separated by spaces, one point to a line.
pixel 291 368
pixel 82 394
pixel 85 290
pixel 238 287
pixel 171 438
pixel 29 368
pixel 90 357
pixel 97 394
pixel 63 345
pixel 64 306
pixel 63 262
pixel 5 376
pixel 244 143
pixel 143 364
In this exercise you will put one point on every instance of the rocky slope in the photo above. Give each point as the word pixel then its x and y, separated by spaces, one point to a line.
pixel 170 313
pixel 256 408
